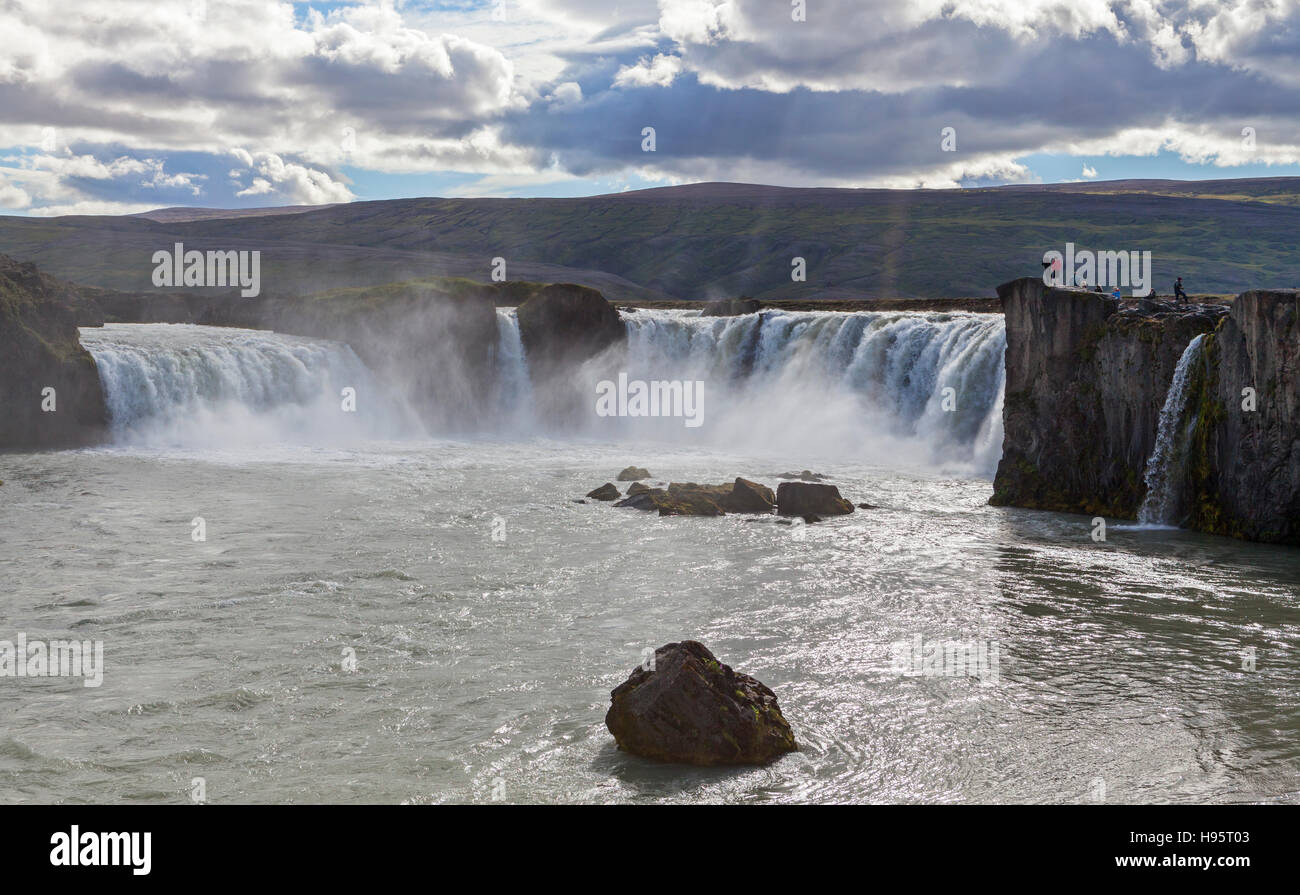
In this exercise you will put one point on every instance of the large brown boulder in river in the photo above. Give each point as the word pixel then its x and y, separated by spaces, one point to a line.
pixel 688 707
pixel 749 497
pixel 634 474
pixel 810 499
pixel 606 491
pixel 691 503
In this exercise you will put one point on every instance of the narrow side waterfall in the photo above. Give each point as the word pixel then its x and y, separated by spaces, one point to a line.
pixel 514 385
pixel 179 385
pixel 894 387
pixel 1164 467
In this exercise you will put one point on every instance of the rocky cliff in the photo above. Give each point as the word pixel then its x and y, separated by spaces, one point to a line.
pixel 40 351
pixel 1243 469
pixel 563 327
pixel 1086 379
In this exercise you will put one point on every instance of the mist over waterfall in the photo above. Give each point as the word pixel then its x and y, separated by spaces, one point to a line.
pixel 179 385
pixel 1161 506
pixel 906 389
pixel 867 385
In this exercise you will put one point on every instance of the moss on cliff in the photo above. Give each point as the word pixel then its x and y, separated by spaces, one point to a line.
pixel 1206 508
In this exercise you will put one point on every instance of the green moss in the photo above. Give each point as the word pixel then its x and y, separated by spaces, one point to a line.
pixel 1207 510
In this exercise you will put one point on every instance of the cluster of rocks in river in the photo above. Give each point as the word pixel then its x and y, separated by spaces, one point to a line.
pixel 811 500
pixel 685 706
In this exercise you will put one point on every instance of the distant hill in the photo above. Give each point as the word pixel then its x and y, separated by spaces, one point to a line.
pixel 179 214
pixel 710 240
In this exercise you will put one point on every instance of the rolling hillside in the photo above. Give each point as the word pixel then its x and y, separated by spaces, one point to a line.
pixel 712 240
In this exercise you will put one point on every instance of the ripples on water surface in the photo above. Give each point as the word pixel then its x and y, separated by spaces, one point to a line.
pixel 482 661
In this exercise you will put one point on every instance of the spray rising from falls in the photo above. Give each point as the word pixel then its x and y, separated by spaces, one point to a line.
pixel 897 388
pixel 1164 467
pixel 177 385
pixel 894 388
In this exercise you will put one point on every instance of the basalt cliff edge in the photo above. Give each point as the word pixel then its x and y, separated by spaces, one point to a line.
pixel 1087 379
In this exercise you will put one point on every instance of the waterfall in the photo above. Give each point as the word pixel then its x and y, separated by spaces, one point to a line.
pixel 897 388
pixel 1164 467
pixel 870 385
pixel 514 386
pixel 179 385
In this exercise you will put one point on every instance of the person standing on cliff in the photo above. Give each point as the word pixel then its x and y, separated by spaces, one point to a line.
pixel 1179 294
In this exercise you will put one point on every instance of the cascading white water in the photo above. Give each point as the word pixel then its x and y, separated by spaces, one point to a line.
pixel 179 385
pixel 869 384
pixel 514 385
pixel 1160 506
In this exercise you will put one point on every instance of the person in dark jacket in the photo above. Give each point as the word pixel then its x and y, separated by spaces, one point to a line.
pixel 1179 294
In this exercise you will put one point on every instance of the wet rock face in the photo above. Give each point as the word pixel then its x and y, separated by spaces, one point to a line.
pixel 562 327
pixel 644 499
pixel 1085 385
pixel 40 348
pixel 749 497
pixel 565 324
pixel 1244 465
pixel 607 491
pixel 810 499
pixel 690 499
pixel 1085 382
pixel 690 708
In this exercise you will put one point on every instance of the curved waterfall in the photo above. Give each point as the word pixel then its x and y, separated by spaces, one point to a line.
pixel 896 387
pixel 179 385
pixel 1164 467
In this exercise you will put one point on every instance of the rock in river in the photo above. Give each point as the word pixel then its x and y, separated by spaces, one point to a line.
pixel 731 307
pixel 749 497
pixel 606 491
pixel 633 474
pixel 688 707
pixel 806 498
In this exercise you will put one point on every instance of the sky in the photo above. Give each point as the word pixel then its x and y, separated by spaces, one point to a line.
pixel 120 106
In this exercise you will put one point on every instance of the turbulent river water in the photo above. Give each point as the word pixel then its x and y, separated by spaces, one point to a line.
pixel 381 614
